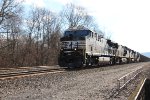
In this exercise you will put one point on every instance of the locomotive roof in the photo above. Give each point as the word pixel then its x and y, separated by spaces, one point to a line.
pixel 73 29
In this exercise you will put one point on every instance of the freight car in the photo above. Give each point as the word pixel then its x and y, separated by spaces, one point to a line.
pixel 83 47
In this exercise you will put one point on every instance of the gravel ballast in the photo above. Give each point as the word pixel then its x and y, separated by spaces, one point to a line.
pixel 89 84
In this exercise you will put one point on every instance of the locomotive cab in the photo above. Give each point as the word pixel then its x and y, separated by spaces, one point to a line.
pixel 73 47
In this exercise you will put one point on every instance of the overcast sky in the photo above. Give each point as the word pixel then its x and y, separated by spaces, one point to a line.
pixel 125 21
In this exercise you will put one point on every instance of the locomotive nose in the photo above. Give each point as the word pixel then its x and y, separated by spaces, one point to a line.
pixel 73 61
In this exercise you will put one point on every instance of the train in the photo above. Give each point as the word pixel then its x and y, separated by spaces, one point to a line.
pixel 80 47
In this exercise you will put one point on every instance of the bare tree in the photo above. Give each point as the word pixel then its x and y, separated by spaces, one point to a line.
pixel 73 15
pixel 10 27
pixel 43 28
pixel 9 8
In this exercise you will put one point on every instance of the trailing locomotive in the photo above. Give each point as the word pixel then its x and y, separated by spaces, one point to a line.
pixel 83 47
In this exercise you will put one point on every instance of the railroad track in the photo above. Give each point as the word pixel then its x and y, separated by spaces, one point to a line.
pixel 29 72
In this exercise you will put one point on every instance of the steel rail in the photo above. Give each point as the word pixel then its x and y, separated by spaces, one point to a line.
pixel 28 72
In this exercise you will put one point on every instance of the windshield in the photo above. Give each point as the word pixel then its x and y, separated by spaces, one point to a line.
pixel 75 35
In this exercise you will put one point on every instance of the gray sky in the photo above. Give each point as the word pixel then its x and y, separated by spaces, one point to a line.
pixel 126 21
